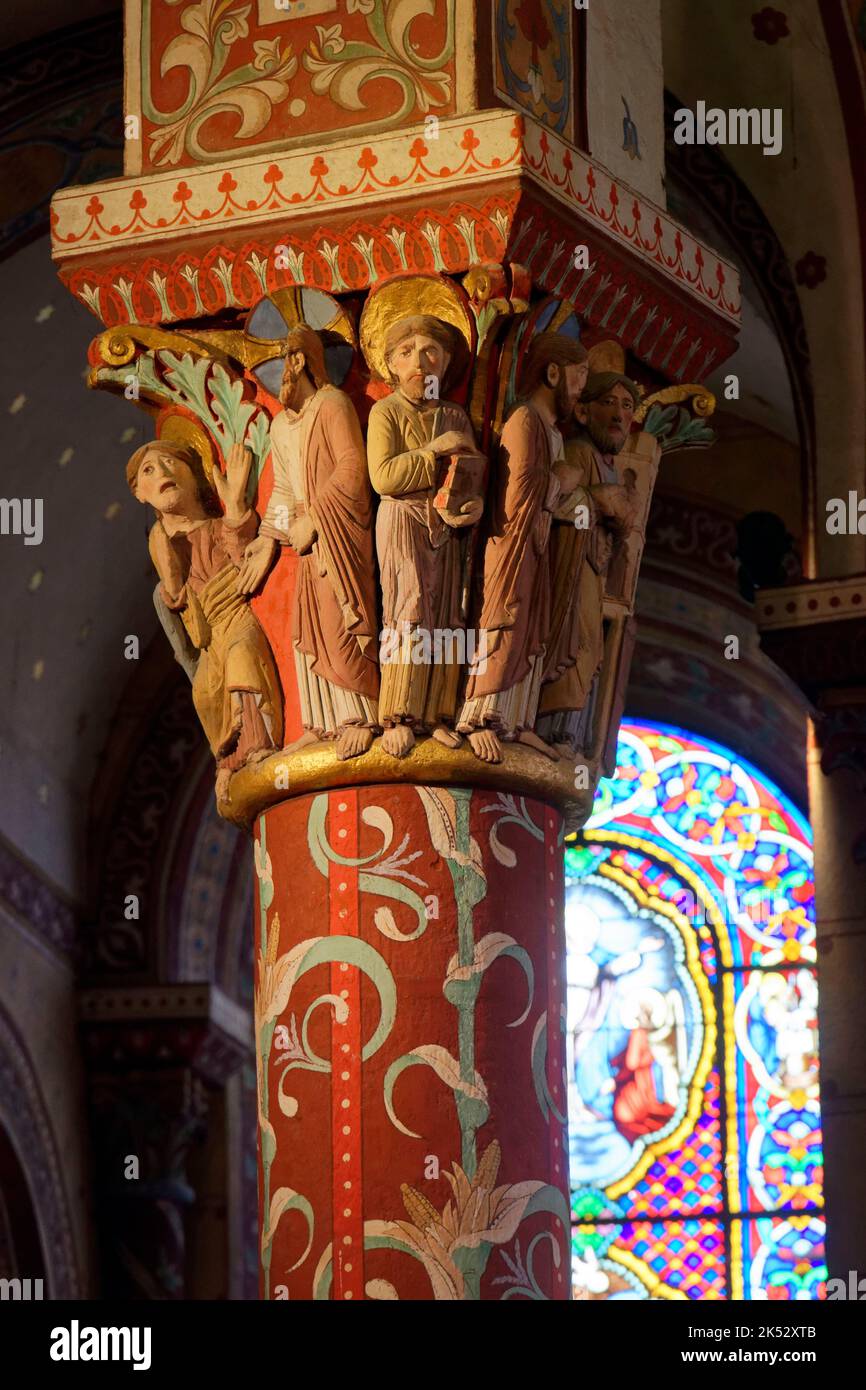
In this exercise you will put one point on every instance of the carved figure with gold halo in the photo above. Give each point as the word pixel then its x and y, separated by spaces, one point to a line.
pixel 427 470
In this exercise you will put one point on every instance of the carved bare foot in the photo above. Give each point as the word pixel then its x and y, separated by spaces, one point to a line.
pixel 531 740
pixel 307 737
pixel 566 751
pixel 223 778
pixel 353 741
pixel 399 740
pixel 486 746
pixel 259 755
pixel 447 737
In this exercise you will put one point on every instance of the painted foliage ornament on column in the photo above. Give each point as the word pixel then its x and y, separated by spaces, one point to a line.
pixel 412 1111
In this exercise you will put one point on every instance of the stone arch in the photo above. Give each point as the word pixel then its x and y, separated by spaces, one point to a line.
pixel 26 1120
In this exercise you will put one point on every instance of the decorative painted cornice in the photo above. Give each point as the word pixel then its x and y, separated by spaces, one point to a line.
pixel 172 1001
pixel 816 632
pixel 814 601
pixel 262 199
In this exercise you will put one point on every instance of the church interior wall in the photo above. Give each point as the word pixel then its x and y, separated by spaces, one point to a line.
pixel 713 53
pixel 76 596
pixel 44 1106
pixel 625 82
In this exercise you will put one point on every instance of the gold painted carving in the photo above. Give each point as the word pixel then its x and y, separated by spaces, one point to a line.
pixel 703 401
pixel 118 346
pixel 522 773
pixel 403 297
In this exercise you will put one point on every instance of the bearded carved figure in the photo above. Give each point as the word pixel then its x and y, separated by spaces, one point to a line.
pixel 596 514
pixel 197 553
pixel 321 507
pixel 502 700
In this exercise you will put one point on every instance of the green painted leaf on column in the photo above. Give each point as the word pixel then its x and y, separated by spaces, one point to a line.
pixel 447 1068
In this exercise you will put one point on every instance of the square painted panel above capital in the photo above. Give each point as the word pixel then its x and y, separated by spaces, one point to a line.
pixel 538 50
pixel 208 82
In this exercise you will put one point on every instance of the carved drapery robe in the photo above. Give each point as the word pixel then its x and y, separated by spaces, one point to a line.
pixel 515 613
pixel 320 470
pixel 421 559
pixel 581 557
pixel 235 688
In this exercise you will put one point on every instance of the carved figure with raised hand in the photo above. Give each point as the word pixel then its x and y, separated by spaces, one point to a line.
pixel 197 552
pixel 427 469
pixel 321 506
pixel 596 512
pixel 502 700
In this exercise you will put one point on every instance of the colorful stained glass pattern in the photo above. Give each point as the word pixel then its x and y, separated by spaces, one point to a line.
pixel 630 1260
pixel 744 841
pixel 694 1119
pixel 688 1179
pixel 781 1257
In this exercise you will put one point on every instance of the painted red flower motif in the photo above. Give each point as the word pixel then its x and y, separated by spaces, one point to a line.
pixel 811 270
pixel 533 26
pixel 182 193
pixel 770 25
pixel 227 184
pixel 138 200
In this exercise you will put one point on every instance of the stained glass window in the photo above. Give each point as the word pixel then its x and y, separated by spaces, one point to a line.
pixel 694 1122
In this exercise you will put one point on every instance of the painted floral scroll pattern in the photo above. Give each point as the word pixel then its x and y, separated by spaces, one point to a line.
pixel 455 1245
pixel 250 92
pixel 379 874
pixel 277 975
pixel 452 1240
pixel 270 999
pixel 342 69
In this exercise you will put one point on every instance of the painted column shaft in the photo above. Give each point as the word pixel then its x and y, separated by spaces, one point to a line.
pixel 410 1046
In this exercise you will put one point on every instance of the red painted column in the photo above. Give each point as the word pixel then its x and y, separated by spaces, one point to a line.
pixel 409 1006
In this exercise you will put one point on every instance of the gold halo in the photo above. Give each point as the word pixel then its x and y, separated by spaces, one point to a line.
pixel 403 297
pixel 179 429
pixel 607 356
